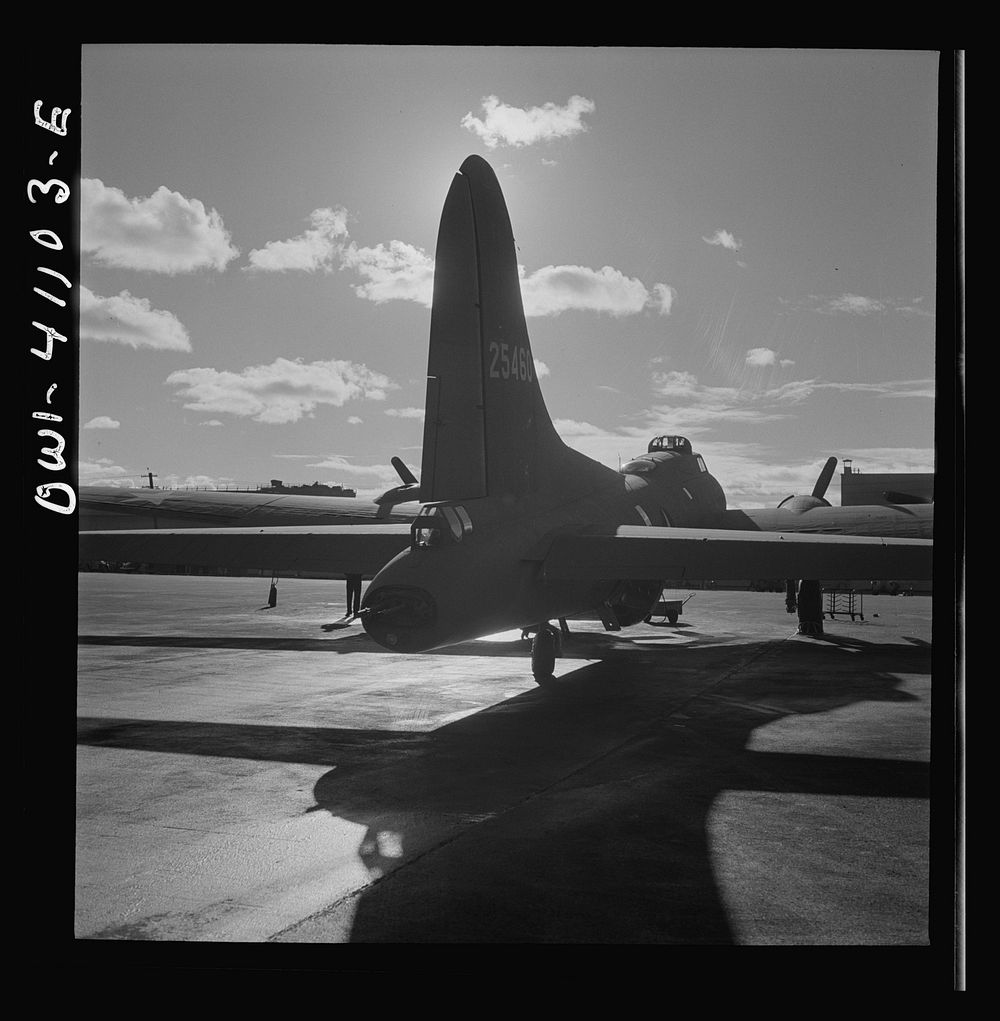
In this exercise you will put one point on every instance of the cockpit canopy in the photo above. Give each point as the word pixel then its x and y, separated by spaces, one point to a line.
pixel 679 444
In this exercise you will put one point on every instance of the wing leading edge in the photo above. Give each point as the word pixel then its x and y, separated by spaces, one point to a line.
pixel 635 552
pixel 337 549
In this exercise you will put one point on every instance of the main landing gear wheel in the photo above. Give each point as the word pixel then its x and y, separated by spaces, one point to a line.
pixel 543 655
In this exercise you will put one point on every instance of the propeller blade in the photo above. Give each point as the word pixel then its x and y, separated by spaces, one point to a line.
pixel 819 490
pixel 409 479
pixel 406 493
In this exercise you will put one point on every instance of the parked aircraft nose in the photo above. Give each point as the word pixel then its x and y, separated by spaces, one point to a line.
pixel 400 617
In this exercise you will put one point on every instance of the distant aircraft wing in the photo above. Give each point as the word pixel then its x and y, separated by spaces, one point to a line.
pixel 336 549
pixel 635 552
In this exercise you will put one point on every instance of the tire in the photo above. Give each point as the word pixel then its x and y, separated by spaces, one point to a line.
pixel 543 655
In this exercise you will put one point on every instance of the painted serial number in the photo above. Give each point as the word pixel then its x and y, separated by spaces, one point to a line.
pixel 510 362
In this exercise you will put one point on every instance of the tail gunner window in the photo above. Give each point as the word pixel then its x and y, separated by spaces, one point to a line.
pixel 439 525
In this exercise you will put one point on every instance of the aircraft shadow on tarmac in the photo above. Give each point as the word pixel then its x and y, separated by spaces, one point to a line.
pixel 577 812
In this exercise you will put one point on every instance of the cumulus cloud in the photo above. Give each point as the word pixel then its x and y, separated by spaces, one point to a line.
pixel 855 304
pixel 281 392
pixel 399 272
pixel 405 412
pixel 663 298
pixel 761 356
pixel 354 420
pixel 125 319
pixel 104 472
pixel 102 422
pixel 541 369
pixel 514 126
pixel 725 239
pixel 555 289
pixel 316 248
pixel 164 233
pixel 675 383
pixel 786 362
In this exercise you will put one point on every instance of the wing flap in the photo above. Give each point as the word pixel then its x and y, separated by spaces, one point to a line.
pixel 634 552
pixel 339 549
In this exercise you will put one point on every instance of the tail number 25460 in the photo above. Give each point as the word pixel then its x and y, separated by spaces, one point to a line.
pixel 508 362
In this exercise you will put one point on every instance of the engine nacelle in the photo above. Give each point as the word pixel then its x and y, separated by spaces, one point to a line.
pixel 799 504
pixel 632 601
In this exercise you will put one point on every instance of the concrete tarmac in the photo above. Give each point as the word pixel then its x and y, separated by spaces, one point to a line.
pixel 245 775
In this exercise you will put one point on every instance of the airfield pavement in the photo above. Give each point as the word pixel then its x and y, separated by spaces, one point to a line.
pixel 244 775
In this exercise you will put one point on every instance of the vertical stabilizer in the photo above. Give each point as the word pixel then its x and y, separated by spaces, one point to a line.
pixel 454 463
pixel 486 431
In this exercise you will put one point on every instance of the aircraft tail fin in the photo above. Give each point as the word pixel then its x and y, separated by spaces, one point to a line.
pixel 487 431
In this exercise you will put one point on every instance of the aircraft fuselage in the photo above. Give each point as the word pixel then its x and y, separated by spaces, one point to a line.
pixel 433 595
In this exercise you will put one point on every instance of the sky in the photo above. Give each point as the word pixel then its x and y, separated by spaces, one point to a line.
pixel 734 245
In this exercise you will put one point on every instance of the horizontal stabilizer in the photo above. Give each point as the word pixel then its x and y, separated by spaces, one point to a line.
pixel 634 552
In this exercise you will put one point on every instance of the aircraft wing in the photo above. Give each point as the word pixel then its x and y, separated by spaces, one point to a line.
pixel 654 553
pixel 104 507
pixel 336 549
